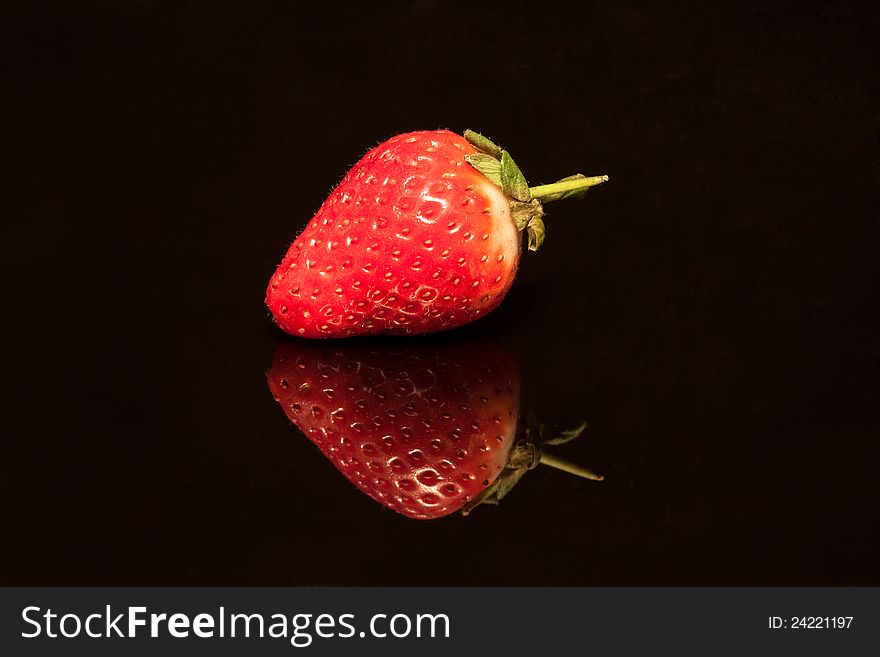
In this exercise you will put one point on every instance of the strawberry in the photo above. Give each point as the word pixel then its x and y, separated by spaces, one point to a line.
pixel 422 235
pixel 425 432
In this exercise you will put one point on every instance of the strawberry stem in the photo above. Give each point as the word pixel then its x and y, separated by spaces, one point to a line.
pixel 564 186
pixel 569 467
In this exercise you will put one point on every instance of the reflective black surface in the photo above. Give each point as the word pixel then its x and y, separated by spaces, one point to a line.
pixel 712 311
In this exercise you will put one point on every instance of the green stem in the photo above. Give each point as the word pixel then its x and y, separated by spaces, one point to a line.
pixel 566 186
pixel 571 468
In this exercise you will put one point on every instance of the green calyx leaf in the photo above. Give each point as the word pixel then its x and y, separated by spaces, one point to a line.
pixel 535 230
pixel 527 216
pixel 524 456
pixel 483 144
pixel 508 478
pixel 566 435
pixel 523 213
pixel 513 182
pixel 487 165
pixel 498 166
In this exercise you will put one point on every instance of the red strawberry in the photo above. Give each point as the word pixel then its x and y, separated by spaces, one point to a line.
pixel 422 235
pixel 422 431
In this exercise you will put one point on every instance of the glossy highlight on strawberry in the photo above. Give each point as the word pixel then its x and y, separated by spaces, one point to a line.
pixel 423 431
pixel 422 235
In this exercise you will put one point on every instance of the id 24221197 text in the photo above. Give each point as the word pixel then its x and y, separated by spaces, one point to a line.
pixel 810 622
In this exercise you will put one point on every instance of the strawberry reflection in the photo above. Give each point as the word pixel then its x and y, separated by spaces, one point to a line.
pixel 425 430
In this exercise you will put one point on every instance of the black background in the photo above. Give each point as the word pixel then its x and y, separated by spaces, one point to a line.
pixel 712 311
